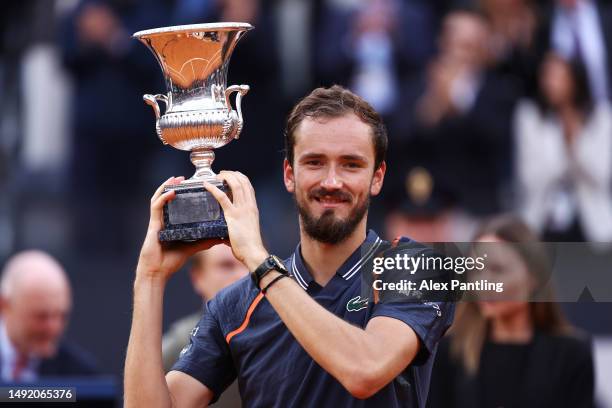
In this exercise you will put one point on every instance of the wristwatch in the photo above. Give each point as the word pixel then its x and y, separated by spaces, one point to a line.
pixel 271 263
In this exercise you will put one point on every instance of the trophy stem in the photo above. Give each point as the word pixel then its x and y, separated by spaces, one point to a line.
pixel 202 160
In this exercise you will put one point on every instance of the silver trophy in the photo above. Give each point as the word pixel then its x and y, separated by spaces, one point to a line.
pixel 198 117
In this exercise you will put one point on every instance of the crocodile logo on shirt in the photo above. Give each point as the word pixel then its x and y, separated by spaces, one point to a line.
pixel 356 304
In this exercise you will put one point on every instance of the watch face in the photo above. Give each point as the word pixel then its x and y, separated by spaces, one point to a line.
pixel 279 262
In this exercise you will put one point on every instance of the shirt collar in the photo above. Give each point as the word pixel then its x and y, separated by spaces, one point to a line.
pixel 349 268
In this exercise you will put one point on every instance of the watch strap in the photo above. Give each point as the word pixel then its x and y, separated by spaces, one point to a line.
pixel 269 264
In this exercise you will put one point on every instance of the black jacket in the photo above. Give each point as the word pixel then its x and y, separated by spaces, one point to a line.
pixel 559 373
pixel 69 361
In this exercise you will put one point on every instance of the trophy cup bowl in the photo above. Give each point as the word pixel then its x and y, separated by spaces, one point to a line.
pixel 198 117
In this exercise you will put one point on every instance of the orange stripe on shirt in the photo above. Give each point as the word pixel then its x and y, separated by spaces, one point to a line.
pixel 245 322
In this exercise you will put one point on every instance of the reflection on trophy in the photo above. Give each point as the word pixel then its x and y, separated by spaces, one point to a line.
pixel 198 117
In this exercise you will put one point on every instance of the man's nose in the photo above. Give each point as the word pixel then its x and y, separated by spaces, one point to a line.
pixel 331 181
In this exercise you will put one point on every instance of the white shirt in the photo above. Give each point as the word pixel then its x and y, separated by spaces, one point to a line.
pixel 8 359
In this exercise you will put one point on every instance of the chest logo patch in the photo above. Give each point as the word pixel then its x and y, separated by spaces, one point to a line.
pixel 356 304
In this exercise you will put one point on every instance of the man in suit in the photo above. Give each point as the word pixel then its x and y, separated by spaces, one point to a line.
pixel 35 302
pixel 451 160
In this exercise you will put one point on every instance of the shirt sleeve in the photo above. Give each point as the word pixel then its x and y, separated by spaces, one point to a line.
pixel 429 320
pixel 207 357
pixel 428 312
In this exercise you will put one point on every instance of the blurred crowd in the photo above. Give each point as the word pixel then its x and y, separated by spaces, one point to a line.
pixel 492 106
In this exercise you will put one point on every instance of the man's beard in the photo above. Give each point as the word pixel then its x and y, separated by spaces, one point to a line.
pixel 328 228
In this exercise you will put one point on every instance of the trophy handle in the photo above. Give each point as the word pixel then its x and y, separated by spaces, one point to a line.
pixel 152 100
pixel 242 90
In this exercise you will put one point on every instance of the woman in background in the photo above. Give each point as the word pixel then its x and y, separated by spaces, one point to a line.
pixel 564 156
pixel 512 352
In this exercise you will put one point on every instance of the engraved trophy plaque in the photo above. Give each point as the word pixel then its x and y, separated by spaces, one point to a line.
pixel 198 117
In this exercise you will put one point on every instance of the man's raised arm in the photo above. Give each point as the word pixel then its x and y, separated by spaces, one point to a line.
pixel 145 384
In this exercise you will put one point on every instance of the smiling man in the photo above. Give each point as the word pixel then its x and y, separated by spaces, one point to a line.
pixel 298 333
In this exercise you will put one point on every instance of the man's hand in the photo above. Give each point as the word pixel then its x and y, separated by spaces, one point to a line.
pixel 242 218
pixel 159 261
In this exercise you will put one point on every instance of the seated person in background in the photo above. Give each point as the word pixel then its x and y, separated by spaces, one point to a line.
pixel 35 302
pixel 512 351
pixel 211 271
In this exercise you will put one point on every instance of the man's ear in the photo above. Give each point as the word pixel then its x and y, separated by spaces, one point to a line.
pixel 378 178
pixel 288 176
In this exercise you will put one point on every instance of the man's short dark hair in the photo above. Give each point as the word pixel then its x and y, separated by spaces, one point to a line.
pixel 335 102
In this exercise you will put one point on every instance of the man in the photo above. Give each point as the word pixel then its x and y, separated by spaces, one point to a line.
pixel 210 271
pixel 35 303
pixel 451 159
pixel 311 340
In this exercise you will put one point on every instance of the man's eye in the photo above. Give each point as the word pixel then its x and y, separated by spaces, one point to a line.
pixel 313 162
pixel 352 165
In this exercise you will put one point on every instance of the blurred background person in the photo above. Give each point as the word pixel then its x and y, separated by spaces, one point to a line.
pixel 513 42
pixel 210 271
pixel 454 128
pixel 369 46
pixel 115 155
pixel 514 350
pixel 35 303
pixel 564 191
pixel 33 126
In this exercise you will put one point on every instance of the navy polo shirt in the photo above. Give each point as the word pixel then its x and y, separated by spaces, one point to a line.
pixel 241 336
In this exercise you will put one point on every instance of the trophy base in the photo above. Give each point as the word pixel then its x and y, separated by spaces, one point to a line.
pixel 193 215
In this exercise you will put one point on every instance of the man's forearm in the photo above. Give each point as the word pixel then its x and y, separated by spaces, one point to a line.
pixel 145 383
pixel 350 354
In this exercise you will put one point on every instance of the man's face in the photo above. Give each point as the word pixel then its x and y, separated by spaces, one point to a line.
pixel 218 269
pixel 462 40
pixel 36 318
pixel 333 176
